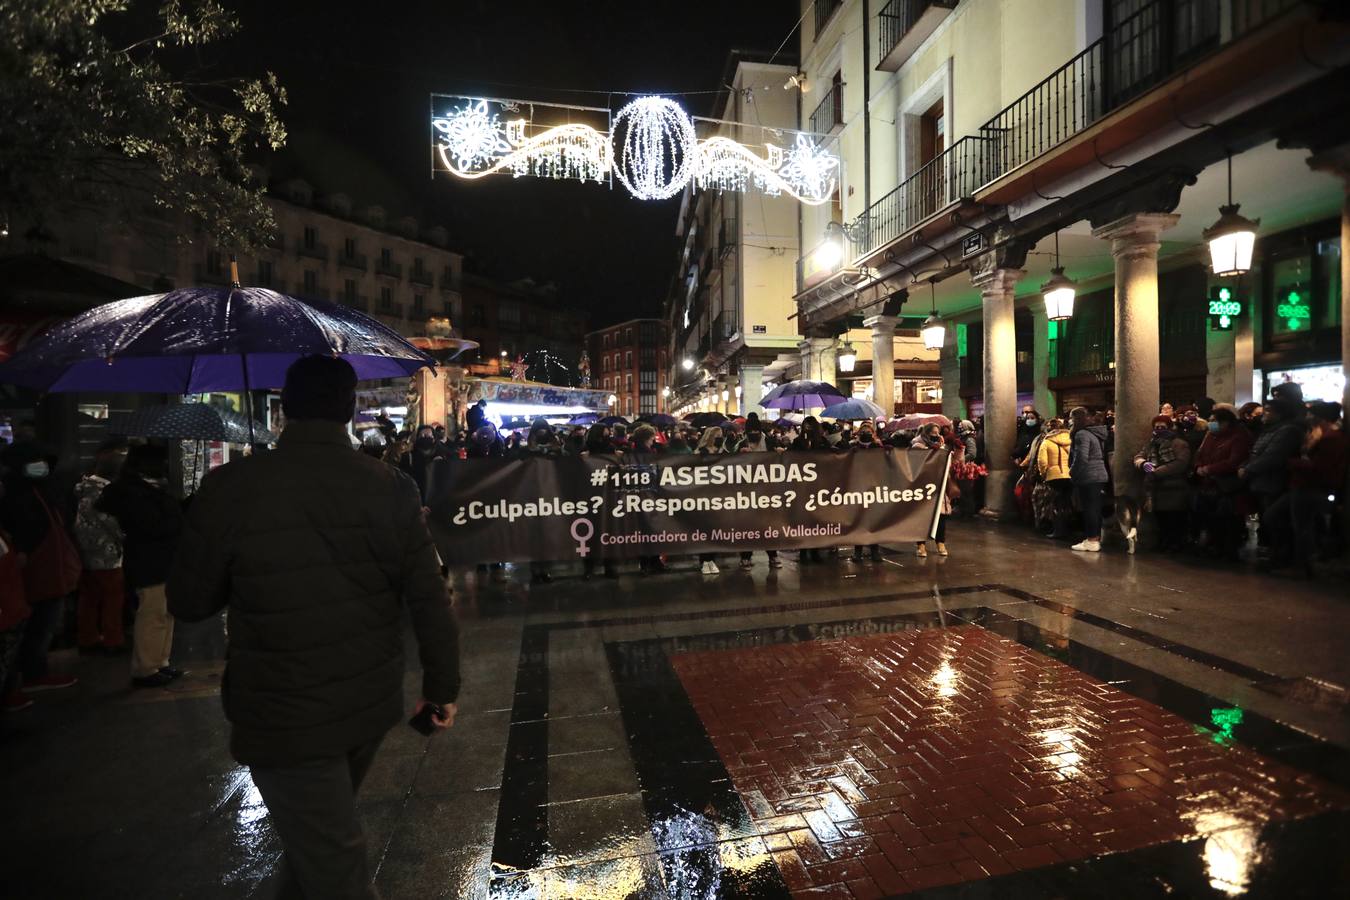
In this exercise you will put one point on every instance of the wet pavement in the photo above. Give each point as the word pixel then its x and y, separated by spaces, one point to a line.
pixel 1012 721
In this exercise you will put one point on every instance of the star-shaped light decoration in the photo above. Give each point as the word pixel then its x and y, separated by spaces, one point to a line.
pixel 809 169
pixel 519 368
pixel 472 135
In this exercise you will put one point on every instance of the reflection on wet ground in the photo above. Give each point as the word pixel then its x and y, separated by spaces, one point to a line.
pixel 917 728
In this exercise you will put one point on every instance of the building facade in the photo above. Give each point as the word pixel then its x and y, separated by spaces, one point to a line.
pixel 630 361
pixel 985 143
pixel 521 319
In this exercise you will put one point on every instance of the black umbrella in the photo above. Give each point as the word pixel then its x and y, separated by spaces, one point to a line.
pixel 190 422
pixel 705 419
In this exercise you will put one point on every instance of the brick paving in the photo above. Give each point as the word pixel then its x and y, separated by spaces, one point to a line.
pixel 880 765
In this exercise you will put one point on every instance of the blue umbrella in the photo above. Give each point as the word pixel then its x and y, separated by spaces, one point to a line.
pixel 584 419
pixel 801 395
pixel 197 340
pixel 855 408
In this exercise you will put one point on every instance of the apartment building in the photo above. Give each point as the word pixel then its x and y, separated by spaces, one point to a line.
pixel 630 361
pixel 986 144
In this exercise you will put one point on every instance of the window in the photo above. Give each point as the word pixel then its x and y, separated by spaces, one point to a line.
pixel 606 363
pixel 386 298
pixel 628 336
pixel 417 265
pixel 349 290
pixel 265 272
pixel 647 382
pixel 508 314
pixel 419 303
pixel 349 248
pixel 628 383
pixel 628 359
pixel 310 237
pixel 213 262
pixel 386 258
pixel 606 342
pixel 311 282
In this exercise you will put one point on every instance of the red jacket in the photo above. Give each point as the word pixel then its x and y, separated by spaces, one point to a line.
pixel 1224 451
pixel 1323 469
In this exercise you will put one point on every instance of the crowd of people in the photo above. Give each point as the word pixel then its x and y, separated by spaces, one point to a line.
pixel 1210 473
pixel 428 456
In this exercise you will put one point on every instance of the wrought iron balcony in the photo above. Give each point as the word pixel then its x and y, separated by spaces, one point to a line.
pixel 447 283
pixel 352 261
pixel 824 10
pixel 422 277
pixel 905 24
pixel 313 251
pixel 388 269
pixel 829 114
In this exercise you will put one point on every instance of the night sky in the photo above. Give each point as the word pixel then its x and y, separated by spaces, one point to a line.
pixel 359 88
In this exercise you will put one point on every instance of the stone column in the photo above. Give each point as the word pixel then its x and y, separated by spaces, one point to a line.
pixel 949 364
pixel 820 359
pixel 727 384
pixel 752 389
pixel 1000 387
pixel 883 361
pixel 810 364
pixel 1042 397
pixel 1135 240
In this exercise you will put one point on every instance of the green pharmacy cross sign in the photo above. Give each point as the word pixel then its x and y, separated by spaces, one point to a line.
pixel 1224 307
pixel 1294 310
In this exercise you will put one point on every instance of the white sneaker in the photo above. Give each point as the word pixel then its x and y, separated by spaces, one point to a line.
pixel 775 562
pixel 1088 546
pixel 921 551
pixel 942 549
pixel 1131 538
pixel 710 568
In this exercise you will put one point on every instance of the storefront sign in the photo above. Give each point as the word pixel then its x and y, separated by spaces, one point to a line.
pixel 1295 311
pixel 596 508
pixel 1224 307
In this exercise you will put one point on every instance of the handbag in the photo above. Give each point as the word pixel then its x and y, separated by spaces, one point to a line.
pixel 53 568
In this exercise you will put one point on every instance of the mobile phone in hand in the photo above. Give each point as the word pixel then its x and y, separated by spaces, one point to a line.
pixel 423 723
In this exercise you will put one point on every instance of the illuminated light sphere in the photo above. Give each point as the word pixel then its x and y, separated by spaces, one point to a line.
pixel 934 332
pixel 1059 292
pixel 1231 241
pixel 654 144
pixel 687 364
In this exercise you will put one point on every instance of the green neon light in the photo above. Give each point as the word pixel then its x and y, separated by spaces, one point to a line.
pixel 961 346
pixel 1225 294
pixel 1054 330
pixel 1225 322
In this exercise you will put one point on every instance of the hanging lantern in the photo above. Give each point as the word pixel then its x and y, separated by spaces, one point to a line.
pixel 1232 238
pixel 934 330
pixel 1059 291
pixel 848 357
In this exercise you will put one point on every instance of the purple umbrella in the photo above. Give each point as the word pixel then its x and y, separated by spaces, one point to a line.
pixel 802 395
pixel 197 340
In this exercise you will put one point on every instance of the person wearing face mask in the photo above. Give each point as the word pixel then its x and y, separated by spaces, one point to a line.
pixel 1028 427
pixel 152 521
pixel 1190 427
pixel 30 513
pixel 1087 470
pixel 1220 503
pixel 1164 462
pixel 102 589
pixel 866 440
pixel 930 438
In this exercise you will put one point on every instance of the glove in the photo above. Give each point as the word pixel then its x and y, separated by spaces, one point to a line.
pixel 1148 468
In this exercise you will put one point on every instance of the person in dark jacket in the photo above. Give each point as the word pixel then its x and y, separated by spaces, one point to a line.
pixel 1266 472
pixel 1220 500
pixel 30 513
pixel 151 520
pixel 1315 475
pixel 317 551
pixel 1165 462
pixel 1087 470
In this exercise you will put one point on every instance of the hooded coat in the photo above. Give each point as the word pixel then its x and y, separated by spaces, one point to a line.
pixel 1087 456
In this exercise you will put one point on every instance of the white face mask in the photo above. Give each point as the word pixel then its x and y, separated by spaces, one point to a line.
pixel 37 469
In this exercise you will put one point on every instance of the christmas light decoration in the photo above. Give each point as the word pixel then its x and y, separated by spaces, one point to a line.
pixel 652 148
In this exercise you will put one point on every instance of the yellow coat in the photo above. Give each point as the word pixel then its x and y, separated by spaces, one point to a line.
pixel 1053 459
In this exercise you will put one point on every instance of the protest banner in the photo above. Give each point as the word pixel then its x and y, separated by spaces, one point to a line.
pixel 596 507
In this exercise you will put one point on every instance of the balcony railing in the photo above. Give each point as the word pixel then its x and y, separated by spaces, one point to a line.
pixel 422 276
pixel 352 261
pixel 313 251
pixel 388 269
pixel 905 24
pixel 727 236
pixel 1155 43
pixel 952 175
pixel 447 283
pixel 723 328
pixel 824 10
pixel 829 114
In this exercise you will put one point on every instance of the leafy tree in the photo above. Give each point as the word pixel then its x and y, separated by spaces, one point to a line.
pixel 111 102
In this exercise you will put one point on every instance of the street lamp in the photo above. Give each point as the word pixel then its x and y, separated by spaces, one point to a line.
pixel 503 354
pixel 613 399
pixel 1232 238
pixel 1059 291
pixel 688 364
pixel 848 357
pixel 934 330
pixel 726 395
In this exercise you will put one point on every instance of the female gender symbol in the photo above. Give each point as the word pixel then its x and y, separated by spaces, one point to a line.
pixel 582 535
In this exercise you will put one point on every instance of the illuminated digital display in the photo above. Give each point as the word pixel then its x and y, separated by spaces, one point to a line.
pixel 1294 310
